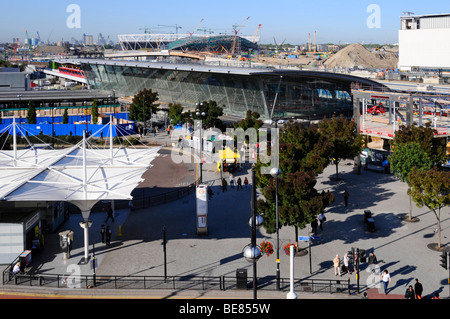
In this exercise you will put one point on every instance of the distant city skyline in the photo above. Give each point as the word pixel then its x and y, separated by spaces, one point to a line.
pixel 338 22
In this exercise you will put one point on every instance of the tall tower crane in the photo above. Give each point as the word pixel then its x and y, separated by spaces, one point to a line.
pixel 256 34
pixel 196 28
pixel 236 31
pixel 172 26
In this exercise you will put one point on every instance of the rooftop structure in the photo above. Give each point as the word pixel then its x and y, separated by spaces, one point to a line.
pixel 423 42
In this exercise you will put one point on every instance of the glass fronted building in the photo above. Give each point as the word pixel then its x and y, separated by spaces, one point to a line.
pixel 298 94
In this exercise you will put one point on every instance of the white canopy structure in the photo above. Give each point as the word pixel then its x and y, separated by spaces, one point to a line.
pixel 82 174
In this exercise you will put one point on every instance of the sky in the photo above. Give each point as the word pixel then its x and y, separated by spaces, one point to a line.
pixel 288 21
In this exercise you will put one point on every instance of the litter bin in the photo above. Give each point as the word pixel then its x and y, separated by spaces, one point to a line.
pixel 371 225
pixel 241 278
pixel 367 215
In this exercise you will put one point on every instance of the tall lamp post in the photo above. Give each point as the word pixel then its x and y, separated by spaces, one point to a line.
pixel 20 109
pixel 275 172
pixel 113 96
pixel 201 115
pixel 253 252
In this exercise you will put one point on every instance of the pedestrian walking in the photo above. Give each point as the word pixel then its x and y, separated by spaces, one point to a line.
pixel 239 183
pixel 372 260
pixel 345 265
pixel 231 180
pixel 409 294
pixel 246 182
pixel 224 185
pixel 322 219
pixel 346 196
pixel 108 235
pixel 314 225
pixel 386 279
pixel 102 233
pixel 336 264
pixel 110 214
pixel 210 192
pixel 418 288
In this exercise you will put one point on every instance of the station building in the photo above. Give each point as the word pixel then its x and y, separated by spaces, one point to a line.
pixel 297 94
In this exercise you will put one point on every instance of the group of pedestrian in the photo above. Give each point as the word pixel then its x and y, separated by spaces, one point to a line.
pixel 341 265
pixel 416 292
pixel 106 235
pixel 234 182
pixel 318 223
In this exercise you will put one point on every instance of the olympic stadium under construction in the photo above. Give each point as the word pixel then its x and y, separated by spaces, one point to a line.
pixel 187 42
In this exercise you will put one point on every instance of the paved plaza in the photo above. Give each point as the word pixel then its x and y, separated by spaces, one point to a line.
pixel 137 246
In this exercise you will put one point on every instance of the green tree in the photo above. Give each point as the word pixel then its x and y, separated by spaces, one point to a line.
pixel 343 139
pixel 143 105
pixel 431 189
pixel 31 113
pixel 425 137
pixel 211 118
pixel 65 116
pixel 251 120
pixel 94 112
pixel 176 113
pixel 405 158
pixel 301 158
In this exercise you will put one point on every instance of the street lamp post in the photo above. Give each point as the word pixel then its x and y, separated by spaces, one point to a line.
pixel 252 252
pixel 275 172
pixel 20 109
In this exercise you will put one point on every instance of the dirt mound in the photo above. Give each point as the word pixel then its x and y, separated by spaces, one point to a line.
pixel 356 55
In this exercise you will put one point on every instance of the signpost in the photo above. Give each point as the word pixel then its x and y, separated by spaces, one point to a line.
pixel 202 209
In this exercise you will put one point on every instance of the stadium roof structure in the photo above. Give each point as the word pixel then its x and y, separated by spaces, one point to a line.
pixel 82 174
pixel 213 43
pixel 193 42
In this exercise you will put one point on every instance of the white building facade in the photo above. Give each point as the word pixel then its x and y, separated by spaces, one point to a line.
pixel 424 42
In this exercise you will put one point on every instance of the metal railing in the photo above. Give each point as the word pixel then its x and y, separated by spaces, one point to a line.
pixel 174 282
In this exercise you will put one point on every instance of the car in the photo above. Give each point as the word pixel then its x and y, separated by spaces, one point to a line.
pixel 376 109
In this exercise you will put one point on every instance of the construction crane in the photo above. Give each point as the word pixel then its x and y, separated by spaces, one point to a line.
pixel 171 26
pixel 278 44
pixel 190 34
pixel 13 58
pixel 256 33
pixel 146 30
pixel 236 32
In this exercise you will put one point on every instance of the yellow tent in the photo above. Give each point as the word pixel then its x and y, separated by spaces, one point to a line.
pixel 227 156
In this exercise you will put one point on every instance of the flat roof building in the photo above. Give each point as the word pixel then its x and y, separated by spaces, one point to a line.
pixel 296 94
pixel 423 42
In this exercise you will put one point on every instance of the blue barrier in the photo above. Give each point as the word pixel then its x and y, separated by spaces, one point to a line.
pixel 69 129
pixel 58 119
